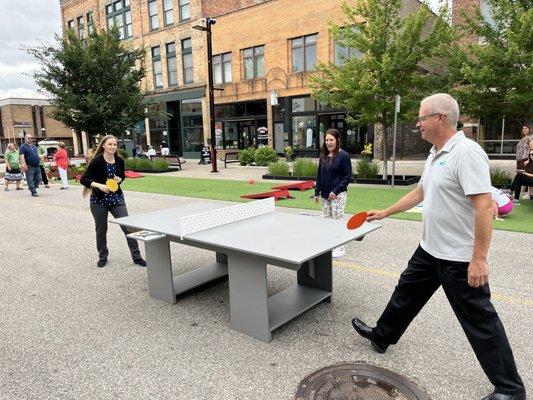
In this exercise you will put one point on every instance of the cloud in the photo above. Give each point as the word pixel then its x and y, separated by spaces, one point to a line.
pixel 24 23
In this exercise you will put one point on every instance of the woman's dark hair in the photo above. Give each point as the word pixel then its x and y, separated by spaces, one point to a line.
pixel 324 152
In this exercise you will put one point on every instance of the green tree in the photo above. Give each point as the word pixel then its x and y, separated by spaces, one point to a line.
pixel 92 82
pixel 492 67
pixel 392 50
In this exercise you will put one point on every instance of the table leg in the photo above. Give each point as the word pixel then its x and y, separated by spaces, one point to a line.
pixel 248 296
pixel 317 273
pixel 160 284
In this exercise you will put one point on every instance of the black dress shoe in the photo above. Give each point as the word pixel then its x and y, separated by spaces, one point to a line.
pixel 501 396
pixel 365 331
pixel 101 263
pixel 140 262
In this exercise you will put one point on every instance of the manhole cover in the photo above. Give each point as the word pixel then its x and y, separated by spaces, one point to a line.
pixel 357 381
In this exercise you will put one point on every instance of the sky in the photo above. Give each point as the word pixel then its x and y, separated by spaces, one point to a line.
pixel 30 23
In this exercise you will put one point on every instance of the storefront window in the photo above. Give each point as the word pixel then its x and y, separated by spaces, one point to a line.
pixel 303 104
pixel 231 135
pixel 192 125
pixel 304 132
pixel 158 124
pixel 500 136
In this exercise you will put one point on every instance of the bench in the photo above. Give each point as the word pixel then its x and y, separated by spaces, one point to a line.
pixel 231 157
pixel 173 162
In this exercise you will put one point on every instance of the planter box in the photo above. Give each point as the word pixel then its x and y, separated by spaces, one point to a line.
pixel 151 171
pixel 400 180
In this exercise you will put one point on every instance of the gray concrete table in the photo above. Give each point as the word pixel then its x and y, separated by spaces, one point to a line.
pixel 243 249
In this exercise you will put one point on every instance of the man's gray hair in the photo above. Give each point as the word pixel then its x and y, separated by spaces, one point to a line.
pixel 443 103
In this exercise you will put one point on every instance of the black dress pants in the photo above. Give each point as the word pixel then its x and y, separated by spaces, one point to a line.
pixel 100 214
pixel 472 307
pixel 519 181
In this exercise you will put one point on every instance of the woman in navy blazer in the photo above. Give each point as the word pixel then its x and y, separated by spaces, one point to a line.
pixel 334 175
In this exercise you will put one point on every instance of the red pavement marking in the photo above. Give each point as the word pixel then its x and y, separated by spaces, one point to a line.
pixel 277 194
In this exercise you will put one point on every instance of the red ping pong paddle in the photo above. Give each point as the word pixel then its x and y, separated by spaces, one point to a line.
pixel 357 220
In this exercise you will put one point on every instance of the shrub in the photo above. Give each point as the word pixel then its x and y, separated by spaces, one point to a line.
pixel 500 177
pixel 366 169
pixel 143 164
pixel 122 153
pixel 246 156
pixel 265 155
pixel 305 167
pixel 159 164
pixel 279 168
pixel 130 163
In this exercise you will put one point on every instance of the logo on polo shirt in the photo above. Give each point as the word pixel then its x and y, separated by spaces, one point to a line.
pixel 442 163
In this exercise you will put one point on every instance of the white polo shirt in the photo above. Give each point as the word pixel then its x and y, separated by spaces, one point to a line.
pixel 460 169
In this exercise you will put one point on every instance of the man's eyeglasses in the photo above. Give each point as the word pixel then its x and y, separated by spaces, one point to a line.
pixel 424 117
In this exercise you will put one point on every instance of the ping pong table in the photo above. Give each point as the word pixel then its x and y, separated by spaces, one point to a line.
pixel 246 238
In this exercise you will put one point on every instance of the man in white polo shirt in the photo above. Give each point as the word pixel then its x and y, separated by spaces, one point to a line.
pixel 457 227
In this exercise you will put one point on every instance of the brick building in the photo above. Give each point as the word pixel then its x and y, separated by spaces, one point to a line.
pixel 19 116
pixel 264 53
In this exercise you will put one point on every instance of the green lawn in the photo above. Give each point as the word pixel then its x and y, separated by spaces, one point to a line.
pixel 359 198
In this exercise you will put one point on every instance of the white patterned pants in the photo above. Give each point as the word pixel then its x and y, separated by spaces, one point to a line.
pixel 335 209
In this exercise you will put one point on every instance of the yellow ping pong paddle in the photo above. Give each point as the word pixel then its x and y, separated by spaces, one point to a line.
pixel 112 185
pixel 357 220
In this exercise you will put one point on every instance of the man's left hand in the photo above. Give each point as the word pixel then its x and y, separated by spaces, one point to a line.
pixel 332 196
pixel 478 273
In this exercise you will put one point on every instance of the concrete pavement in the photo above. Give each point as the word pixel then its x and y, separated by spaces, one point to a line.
pixel 70 330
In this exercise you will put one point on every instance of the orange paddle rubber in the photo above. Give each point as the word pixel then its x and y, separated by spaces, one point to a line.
pixel 357 220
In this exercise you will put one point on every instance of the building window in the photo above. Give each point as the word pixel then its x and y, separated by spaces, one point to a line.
pixel 168 12
pixel 172 68
pixel 222 68
pixel 303 55
pixel 185 10
pixel 90 23
pixel 186 55
pixel 81 27
pixel 156 66
pixel 253 59
pixel 152 13
pixel 118 14
pixel 345 53
pixel 70 24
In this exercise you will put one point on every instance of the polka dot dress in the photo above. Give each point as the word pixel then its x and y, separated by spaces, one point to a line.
pixel 109 200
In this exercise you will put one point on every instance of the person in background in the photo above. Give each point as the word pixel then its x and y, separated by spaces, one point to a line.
pixel 13 173
pixel 334 175
pixel 151 153
pixel 165 151
pixel 44 176
pixel 29 163
pixel 61 159
pixel 523 177
pixel 522 147
pixel 502 204
pixel 456 234
pixel 105 165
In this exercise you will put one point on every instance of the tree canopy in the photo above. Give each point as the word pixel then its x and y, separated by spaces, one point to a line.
pixel 393 48
pixel 92 82
pixel 494 75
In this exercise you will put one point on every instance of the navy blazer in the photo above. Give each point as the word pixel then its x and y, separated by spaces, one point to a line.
pixel 334 175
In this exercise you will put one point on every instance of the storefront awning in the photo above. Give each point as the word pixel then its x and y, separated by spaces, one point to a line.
pixel 175 96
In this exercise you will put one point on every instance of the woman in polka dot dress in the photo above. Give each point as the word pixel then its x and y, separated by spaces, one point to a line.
pixel 105 165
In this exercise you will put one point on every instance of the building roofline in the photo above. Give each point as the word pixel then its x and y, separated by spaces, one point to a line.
pixel 244 8
pixel 24 101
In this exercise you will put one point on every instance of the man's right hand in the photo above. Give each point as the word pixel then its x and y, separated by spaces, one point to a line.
pixel 374 215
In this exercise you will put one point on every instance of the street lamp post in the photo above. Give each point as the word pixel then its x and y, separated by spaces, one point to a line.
pixel 211 89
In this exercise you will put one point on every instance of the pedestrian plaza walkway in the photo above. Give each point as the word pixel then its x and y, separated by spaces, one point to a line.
pixel 72 330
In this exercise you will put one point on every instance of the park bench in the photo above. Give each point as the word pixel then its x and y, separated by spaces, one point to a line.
pixel 231 157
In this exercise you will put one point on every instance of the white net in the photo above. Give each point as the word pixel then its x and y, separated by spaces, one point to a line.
pixel 223 216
